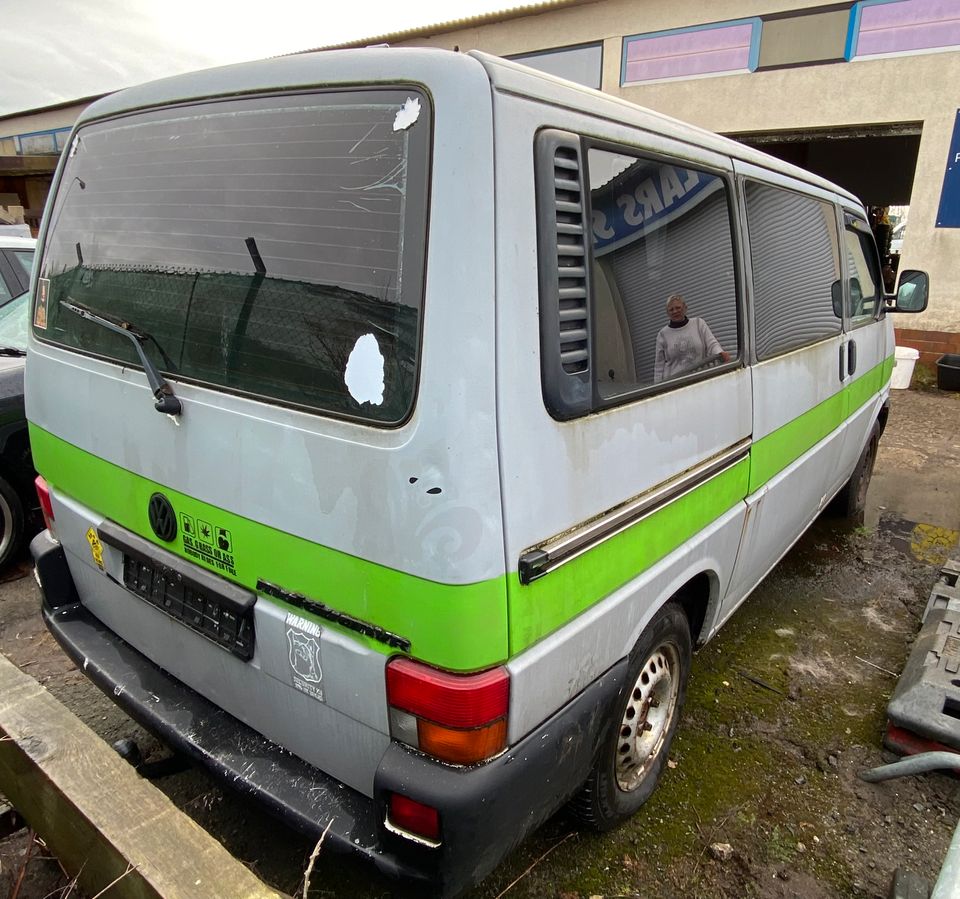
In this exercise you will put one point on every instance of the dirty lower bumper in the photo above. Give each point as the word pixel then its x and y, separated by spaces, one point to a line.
pixel 484 811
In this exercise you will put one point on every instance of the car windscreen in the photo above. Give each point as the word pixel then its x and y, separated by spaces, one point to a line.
pixel 270 246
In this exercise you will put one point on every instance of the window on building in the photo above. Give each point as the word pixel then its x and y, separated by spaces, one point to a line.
pixel 644 235
pixel 806 37
pixel 866 291
pixel 794 249
pixel 720 49
pixel 880 27
pixel 582 64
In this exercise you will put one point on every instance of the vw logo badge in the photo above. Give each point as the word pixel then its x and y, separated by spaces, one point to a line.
pixel 163 520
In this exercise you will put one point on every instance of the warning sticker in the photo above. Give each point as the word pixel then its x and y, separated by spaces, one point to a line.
pixel 96 547
pixel 303 645
pixel 208 543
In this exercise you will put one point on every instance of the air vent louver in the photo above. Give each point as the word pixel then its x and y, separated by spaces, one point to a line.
pixel 571 270
pixel 564 260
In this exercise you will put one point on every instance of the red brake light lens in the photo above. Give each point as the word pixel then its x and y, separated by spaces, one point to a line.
pixel 454 700
pixel 415 817
pixel 43 494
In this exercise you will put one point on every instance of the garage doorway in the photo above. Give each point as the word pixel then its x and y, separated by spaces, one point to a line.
pixel 874 162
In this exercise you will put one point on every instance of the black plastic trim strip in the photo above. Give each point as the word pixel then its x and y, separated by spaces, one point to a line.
pixel 315 607
pixel 542 559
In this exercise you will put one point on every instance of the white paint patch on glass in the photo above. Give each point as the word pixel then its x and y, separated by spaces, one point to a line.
pixel 364 372
pixel 408 114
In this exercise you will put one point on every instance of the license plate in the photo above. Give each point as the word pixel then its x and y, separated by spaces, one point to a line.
pixel 200 611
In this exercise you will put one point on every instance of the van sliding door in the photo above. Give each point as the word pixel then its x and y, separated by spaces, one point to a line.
pixel 798 401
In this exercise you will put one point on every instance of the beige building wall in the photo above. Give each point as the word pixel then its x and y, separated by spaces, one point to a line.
pixel 870 92
pixel 42 120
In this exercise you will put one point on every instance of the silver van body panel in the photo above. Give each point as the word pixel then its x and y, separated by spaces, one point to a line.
pixel 345 735
pixel 558 667
pixel 369 507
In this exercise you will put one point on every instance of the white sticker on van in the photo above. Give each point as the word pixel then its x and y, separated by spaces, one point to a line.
pixel 408 114
pixel 364 373
pixel 303 646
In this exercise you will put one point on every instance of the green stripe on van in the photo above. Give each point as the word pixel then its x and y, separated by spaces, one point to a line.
pixel 458 627
pixel 772 454
pixel 461 627
pixel 538 608
pixel 550 602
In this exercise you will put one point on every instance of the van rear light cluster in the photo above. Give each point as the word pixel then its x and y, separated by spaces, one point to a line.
pixel 458 718
pixel 46 506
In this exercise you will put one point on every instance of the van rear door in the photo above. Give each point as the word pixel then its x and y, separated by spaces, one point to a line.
pixel 336 453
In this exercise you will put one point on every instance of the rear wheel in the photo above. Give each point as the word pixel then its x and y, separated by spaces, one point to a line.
pixel 11 522
pixel 642 724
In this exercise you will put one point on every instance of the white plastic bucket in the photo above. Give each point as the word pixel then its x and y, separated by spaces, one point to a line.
pixel 903 370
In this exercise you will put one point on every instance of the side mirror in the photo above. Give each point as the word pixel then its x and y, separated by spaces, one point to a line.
pixel 912 293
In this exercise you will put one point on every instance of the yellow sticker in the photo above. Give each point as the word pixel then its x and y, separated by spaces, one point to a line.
pixel 96 547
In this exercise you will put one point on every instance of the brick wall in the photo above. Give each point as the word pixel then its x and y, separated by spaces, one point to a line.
pixel 931 344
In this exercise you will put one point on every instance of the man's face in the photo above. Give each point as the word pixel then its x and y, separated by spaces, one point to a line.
pixel 676 310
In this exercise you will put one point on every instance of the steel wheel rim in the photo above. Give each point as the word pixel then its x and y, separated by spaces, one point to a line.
pixel 647 718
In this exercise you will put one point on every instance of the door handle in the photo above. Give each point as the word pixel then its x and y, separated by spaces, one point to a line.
pixel 851 357
pixel 843 363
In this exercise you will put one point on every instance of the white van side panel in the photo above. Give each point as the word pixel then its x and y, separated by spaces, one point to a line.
pixel 555 474
pixel 561 665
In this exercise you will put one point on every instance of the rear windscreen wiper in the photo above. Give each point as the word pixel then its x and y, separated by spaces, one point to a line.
pixel 12 351
pixel 166 402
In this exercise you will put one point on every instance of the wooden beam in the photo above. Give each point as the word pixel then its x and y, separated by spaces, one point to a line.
pixel 100 818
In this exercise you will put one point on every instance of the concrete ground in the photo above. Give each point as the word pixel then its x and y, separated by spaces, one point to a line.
pixel 785 707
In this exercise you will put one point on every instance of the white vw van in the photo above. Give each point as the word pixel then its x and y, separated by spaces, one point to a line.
pixel 377 477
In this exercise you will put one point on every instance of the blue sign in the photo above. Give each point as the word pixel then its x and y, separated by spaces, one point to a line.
pixel 948 215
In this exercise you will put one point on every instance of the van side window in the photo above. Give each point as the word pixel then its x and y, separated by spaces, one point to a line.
pixel 659 230
pixel 863 273
pixel 630 235
pixel 794 248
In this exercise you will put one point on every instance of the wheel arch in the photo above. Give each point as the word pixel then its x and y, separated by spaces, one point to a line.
pixel 696 597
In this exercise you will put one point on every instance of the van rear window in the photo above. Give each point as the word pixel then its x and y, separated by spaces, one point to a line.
pixel 271 246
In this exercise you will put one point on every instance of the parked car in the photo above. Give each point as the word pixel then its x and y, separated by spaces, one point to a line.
pixel 19 511
pixel 16 263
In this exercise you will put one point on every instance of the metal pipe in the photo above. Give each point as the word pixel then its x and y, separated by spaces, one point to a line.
pixel 915 764
pixel 948 881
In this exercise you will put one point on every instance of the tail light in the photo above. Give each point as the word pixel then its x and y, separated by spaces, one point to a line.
pixel 43 494
pixel 458 718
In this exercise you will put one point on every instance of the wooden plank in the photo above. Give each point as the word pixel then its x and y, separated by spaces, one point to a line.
pixel 97 814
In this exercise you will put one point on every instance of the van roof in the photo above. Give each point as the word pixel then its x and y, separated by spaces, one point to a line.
pixel 311 70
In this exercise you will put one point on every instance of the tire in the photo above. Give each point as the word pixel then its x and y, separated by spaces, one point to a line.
pixel 851 502
pixel 631 758
pixel 11 522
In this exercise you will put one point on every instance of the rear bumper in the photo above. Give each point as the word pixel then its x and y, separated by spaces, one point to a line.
pixel 484 811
